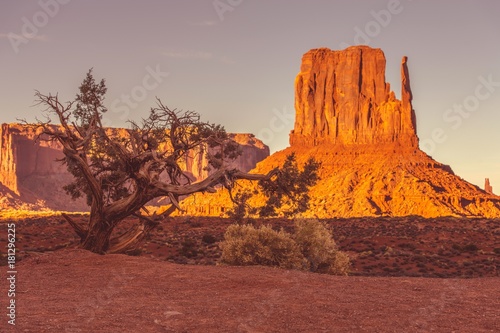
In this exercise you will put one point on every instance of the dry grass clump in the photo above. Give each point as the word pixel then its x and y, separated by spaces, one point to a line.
pixel 311 247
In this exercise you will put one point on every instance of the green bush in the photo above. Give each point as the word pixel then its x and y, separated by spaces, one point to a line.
pixel 311 247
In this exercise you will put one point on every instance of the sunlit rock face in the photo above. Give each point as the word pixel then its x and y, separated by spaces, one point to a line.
pixel 341 97
pixel 252 151
pixel 349 119
pixel 31 176
pixel 371 165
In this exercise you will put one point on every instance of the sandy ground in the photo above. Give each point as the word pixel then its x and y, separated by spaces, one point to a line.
pixel 76 291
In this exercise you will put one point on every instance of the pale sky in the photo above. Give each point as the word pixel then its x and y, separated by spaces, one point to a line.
pixel 235 61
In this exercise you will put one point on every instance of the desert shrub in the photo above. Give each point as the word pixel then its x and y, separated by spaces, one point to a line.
pixel 311 247
pixel 245 245
pixel 317 245
pixel 208 239
pixel 188 248
pixel 408 246
pixel 470 247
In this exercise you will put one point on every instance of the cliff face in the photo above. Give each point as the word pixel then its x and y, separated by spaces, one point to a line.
pixel 253 151
pixel 348 119
pixel 7 164
pixel 31 176
pixel 341 97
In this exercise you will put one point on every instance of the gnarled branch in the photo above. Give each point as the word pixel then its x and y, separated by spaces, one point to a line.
pixel 80 231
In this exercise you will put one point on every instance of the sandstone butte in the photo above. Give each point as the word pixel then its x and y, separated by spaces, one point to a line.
pixel 348 118
pixel 31 178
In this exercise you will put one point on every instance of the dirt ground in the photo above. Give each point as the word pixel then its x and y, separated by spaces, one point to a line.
pixel 173 283
pixel 77 291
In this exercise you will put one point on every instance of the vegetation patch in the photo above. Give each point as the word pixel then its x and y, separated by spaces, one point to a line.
pixel 311 247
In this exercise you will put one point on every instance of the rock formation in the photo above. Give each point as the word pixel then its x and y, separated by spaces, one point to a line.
pixel 7 165
pixel 366 141
pixel 252 151
pixel 342 98
pixel 31 178
pixel 487 187
pixel 28 168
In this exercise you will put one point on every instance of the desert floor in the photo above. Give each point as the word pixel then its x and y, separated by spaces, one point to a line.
pixel 408 275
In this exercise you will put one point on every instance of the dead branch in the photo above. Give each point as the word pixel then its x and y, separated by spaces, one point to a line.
pixel 80 231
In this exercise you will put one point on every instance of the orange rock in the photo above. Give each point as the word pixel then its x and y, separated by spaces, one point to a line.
pixel 341 97
pixel 348 119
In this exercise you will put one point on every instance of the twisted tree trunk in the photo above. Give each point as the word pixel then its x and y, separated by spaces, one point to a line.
pixel 98 236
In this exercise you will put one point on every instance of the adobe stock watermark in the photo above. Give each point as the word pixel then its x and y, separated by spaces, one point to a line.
pixel 277 124
pixel 456 114
pixel 223 6
pixel 31 28
pixel 373 28
pixel 127 102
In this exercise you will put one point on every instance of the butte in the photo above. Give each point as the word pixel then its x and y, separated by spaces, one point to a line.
pixel 366 139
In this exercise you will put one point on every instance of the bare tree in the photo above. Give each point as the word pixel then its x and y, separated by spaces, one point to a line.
pixel 119 174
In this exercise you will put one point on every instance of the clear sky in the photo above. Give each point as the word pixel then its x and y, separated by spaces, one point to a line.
pixel 235 61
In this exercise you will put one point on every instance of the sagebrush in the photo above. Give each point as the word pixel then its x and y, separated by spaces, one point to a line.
pixel 244 245
pixel 318 247
pixel 311 247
